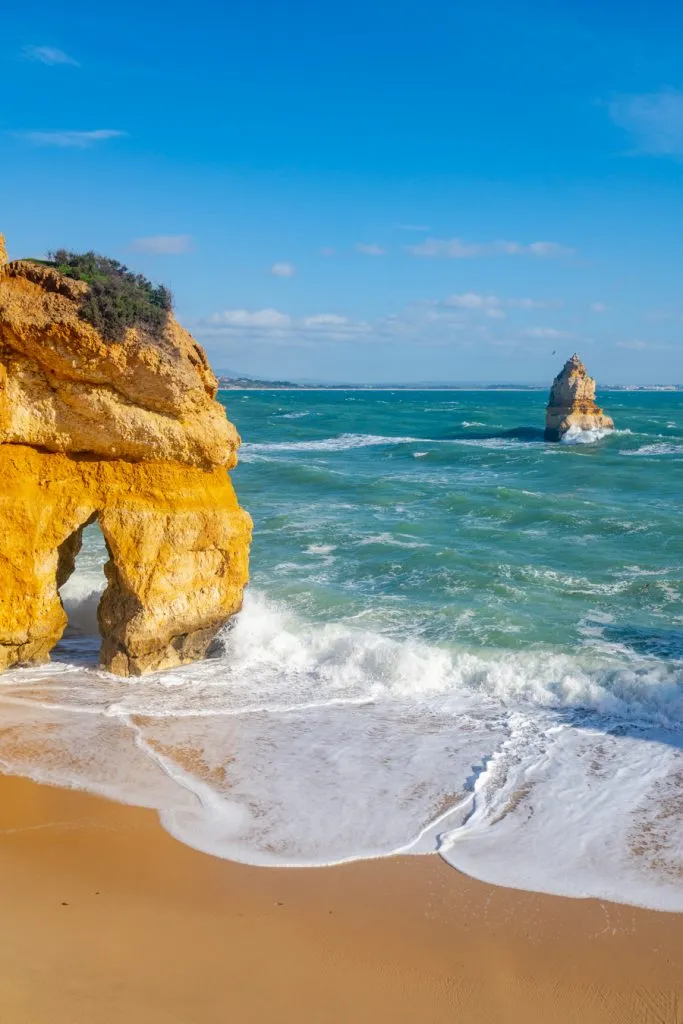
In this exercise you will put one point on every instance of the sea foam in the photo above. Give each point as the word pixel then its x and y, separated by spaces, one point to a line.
pixel 310 744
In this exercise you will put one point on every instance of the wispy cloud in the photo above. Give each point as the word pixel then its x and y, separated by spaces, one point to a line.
pixel 598 307
pixel 636 345
pixel 534 303
pixel 328 251
pixel 250 318
pixel 370 249
pixel 494 305
pixel 655 120
pixel 49 55
pixel 326 320
pixel 283 269
pixel 544 332
pixel 490 305
pixel 166 245
pixel 72 139
pixel 271 326
pixel 457 249
pixel 471 300
pixel 464 323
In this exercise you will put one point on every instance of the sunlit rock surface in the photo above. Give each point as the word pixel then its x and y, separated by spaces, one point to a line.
pixel 572 403
pixel 126 433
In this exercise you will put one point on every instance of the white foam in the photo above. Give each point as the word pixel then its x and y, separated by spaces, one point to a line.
pixel 573 811
pixel 343 442
pixel 402 540
pixel 311 744
pixel 665 448
pixel 575 435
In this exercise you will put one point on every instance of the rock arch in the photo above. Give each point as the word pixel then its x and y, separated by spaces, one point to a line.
pixel 128 433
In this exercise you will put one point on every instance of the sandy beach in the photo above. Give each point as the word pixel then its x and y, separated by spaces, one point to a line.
pixel 106 918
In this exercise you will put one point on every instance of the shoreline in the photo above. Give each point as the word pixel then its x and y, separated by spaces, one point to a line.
pixel 107 917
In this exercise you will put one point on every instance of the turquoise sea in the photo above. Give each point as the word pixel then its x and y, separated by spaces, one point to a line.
pixel 457 639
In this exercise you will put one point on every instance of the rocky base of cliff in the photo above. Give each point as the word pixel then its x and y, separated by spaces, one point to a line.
pixel 178 545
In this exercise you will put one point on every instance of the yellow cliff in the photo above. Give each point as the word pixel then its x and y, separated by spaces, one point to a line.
pixel 128 433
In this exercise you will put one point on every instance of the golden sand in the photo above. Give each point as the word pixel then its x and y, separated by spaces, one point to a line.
pixel 106 918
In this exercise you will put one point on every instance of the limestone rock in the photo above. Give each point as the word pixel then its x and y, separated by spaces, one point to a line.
pixel 128 434
pixel 63 388
pixel 572 403
pixel 3 251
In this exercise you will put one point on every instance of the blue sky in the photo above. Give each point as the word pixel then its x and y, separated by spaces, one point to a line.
pixel 364 192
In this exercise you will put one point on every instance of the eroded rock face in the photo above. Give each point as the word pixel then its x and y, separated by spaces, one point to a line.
pixel 572 403
pixel 128 434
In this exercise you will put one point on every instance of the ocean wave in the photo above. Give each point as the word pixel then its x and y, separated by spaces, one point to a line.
pixel 575 435
pixel 665 448
pixel 343 442
pixel 393 540
pixel 269 649
pixel 314 743
pixel 320 549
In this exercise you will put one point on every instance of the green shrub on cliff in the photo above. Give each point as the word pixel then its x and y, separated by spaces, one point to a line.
pixel 117 299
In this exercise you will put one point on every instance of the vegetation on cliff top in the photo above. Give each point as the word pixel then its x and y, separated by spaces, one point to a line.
pixel 117 299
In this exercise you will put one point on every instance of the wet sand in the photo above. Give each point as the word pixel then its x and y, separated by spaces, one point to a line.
pixel 106 918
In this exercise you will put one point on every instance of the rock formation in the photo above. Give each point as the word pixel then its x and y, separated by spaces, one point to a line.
pixel 572 403
pixel 126 433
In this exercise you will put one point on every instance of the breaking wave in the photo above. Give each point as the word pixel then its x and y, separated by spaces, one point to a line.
pixel 309 743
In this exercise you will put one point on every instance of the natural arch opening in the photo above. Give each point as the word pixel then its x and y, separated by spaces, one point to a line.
pixel 81 583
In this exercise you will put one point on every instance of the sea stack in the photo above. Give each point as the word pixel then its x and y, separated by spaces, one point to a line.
pixel 125 432
pixel 572 403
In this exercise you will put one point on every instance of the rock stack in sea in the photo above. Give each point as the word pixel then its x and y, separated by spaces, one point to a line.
pixel 125 432
pixel 572 403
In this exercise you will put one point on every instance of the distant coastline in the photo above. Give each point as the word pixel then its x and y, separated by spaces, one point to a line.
pixel 252 384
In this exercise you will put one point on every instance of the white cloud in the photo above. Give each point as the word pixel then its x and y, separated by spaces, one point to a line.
pixel 370 249
pixel 655 120
pixel 167 245
pixel 251 318
pixel 546 249
pixel 72 139
pixel 270 326
pixel 452 248
pixel 283 269
pixel 471 300
pixel 598 307
pixel 533 303
pixel 492 305
pixel 636 345
pixel 465 321
pixel 456 249
pixel 325 320
pixel 544 332
pixel 49 55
